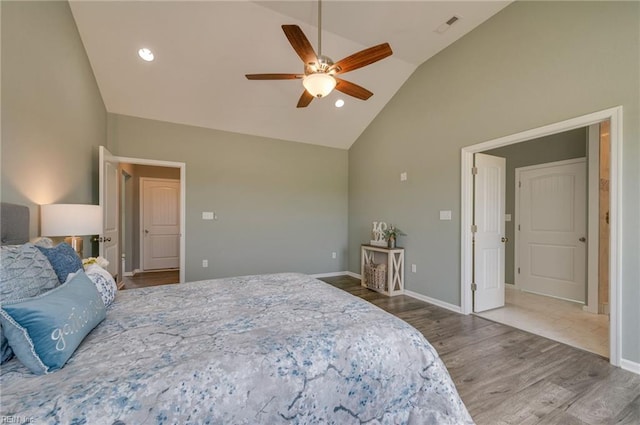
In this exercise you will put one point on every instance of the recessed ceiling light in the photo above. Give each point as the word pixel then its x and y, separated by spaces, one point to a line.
pixel 146 54
pixel 339 103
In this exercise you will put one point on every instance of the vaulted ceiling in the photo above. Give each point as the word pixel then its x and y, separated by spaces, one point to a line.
pixel 203 49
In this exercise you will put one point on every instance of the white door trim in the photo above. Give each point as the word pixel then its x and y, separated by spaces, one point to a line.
pixel 141 209
pixel 183 185
pixel 615 208
pixel 516 250
pixel 593 217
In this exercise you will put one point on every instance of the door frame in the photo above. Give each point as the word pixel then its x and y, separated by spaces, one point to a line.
pixel 141 218
pixel 183 185
pixel 516 248
pixel 614 115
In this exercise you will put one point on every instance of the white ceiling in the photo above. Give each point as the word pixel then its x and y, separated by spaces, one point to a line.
pixel 204 48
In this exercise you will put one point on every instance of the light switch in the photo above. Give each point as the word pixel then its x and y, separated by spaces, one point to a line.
pixel 507 217
pixel 207 215
pixel 445 215
pixel 403 177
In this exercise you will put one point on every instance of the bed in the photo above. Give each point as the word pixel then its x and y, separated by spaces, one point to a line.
pixel 269 349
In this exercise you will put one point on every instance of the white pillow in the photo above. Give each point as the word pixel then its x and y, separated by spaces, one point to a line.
pixel 104 283
pixel 44 242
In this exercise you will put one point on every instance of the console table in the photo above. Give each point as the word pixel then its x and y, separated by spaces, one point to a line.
pixel 393 258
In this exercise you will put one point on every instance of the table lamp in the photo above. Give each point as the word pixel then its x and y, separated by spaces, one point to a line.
pixel 71 221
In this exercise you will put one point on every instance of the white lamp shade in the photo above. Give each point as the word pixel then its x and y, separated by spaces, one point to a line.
pixel 319 84
pixel 71 220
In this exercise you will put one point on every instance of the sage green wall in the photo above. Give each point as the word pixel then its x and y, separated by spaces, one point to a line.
pixel 532 64
pixel 281 206
pixel 557 147
pixel 53 117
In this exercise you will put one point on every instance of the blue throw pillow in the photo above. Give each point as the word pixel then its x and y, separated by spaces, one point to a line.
pixel 24 272
pixel 63 259
pixel 44 331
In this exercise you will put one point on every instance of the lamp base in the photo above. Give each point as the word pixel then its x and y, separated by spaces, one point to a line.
pixel 76 244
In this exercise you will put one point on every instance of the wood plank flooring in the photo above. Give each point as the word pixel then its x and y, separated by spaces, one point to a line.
pixel 141 280
pixel 508 376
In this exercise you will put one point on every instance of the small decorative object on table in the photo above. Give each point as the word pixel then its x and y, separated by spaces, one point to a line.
pixel 377 233
pixel 391 235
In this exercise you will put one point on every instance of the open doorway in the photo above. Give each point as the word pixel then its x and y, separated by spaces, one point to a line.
pixel 545 234
pixel 613 116
pixel 149 222
pixel 120 198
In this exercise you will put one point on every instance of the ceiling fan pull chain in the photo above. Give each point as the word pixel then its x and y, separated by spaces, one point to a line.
pixel 319 28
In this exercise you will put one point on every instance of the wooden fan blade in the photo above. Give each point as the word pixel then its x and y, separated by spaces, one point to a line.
pixel 305 99
pixel 273 76
pixel 352 89
pixel 300 44
pixel 362 58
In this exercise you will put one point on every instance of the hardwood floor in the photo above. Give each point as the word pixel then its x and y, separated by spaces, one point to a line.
pixel 505 375
pixel 508 376
pixel 142 280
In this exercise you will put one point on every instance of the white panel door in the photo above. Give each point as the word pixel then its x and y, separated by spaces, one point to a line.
pixel 552 211
pixel 489 238
pixel 160 223
pixel 109 203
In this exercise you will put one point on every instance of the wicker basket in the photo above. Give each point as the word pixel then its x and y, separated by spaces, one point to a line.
pixel 375 276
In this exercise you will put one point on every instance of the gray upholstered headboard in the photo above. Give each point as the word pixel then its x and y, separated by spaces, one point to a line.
pixel 14 224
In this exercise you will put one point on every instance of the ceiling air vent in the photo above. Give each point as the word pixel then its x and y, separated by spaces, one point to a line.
pixel 445 26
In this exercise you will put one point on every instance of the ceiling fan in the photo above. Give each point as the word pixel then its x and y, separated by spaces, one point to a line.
pixel 319 77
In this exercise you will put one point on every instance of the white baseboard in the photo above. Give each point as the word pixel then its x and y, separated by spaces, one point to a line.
pixel 332 274
pixel 433 301
pixel 354 275
pixel 630 366
pixel 510 285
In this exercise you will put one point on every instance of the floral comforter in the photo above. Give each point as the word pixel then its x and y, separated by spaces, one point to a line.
pixel 270 349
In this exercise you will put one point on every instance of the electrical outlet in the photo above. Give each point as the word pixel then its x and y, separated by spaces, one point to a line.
pixel 403 177
pixel 334 255
pixel 205 263
pixel 207 215
pixel 414 269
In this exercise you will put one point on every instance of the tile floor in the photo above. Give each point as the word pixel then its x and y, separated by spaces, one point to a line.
pixel 560 320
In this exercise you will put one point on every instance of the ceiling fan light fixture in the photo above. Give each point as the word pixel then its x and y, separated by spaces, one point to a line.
pixel 319 84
